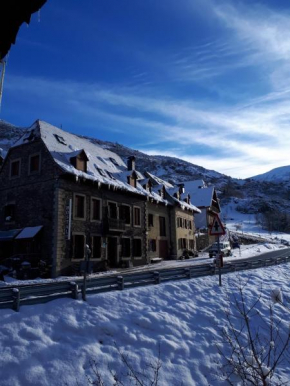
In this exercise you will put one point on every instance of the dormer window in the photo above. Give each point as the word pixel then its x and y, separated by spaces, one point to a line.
pixel 132 180
pixel 79 161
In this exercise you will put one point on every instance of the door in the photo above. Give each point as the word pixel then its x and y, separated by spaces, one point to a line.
pixel 163 249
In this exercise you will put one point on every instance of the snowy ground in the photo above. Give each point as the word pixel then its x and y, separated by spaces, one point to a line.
pixel 54 343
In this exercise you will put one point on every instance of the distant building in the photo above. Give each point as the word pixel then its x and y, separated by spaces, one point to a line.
pixel 205 198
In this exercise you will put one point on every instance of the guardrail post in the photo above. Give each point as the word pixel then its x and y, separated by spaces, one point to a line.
pixel 120 282
pixel 16 299
pixel 188 273
pixel 156 277
pixel 74 290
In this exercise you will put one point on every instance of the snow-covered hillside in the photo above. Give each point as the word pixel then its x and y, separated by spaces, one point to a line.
pixel 56 343
pixel 281 174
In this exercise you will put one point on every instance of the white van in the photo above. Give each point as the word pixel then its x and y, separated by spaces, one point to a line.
pixel 224 247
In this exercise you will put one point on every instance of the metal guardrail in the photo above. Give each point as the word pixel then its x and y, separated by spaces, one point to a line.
pixel 27 294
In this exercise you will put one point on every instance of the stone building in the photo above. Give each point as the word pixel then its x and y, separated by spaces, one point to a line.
pixel 60 192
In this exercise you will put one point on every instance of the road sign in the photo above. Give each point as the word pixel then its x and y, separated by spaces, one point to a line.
pixel 217 228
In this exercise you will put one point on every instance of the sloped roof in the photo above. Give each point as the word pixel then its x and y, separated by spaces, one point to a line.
pixel 202 197
pixel 103 165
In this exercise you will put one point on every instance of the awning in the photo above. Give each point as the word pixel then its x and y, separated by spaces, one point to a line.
pixel 9 235
pixel 28 232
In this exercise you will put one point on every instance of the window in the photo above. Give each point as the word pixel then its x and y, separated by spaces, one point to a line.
pixel 190 244
pixel 78 246
pixel 96 247
pixel 179 222
pixel 114 161
pixel 182 244
pixel 125 214
pixel 137 216
pixel 95 209
pixel 81 164
pixel 152 245
pixel 34 163
pixel 113 210
pixel 111 175
pixel 150 220
pixel 132 181
pixel 15 168
pixel 126 247
pixel 79 207
pixel 59 139
pixel 80 161
pixel 189 224
pixel 137 247
pixel 162 226
pixel 9 212
pixel 101 171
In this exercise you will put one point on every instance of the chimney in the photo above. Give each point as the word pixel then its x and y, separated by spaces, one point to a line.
pixel 181 188
pixel 131 163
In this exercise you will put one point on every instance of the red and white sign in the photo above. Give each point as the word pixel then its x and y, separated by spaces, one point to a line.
pixel 217 228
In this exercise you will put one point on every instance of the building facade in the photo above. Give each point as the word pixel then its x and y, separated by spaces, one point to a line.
pixel 60 193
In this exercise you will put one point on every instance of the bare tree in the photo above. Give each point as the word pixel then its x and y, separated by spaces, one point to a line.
pixel 129 375
pixel 256 345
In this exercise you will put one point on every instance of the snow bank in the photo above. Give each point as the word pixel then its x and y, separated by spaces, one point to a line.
pixel 53 344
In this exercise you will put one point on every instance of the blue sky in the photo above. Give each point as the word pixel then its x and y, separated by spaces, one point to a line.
pixel 203 80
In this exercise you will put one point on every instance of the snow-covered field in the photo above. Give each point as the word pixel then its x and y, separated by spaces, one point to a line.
pixel 54 344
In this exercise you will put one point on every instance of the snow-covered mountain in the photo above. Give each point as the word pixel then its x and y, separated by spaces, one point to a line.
pixel 265 194
pixel 281 174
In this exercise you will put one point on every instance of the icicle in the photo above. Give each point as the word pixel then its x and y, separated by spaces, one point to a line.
pixel 2 81
pixel 38 14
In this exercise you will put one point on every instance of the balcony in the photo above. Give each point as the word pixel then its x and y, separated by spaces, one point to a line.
pixel 116 225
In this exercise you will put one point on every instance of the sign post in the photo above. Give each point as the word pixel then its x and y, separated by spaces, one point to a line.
pixel 217 229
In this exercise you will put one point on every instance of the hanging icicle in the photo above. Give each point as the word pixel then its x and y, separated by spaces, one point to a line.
pixel 2 63
pixel 38 16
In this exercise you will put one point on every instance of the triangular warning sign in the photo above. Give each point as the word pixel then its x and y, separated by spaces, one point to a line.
pixel 217 228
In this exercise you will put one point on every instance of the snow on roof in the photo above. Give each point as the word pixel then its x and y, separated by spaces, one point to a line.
pixel 158 181
pixel 202 197
pixel 103 166
pixel 185 205
pixel 195 184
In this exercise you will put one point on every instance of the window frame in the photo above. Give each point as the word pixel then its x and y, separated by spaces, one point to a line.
pixel 131 248
pixel 151 224
pixel 73 245
pixel 91 209
pixel 9 203
pixel 139 217
pixel 10 168
pixel 75 217
pixel 141 249
pixel 29 164
pixel 117 209
pixel 160 227
pixel 130 214
pixel 92 247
